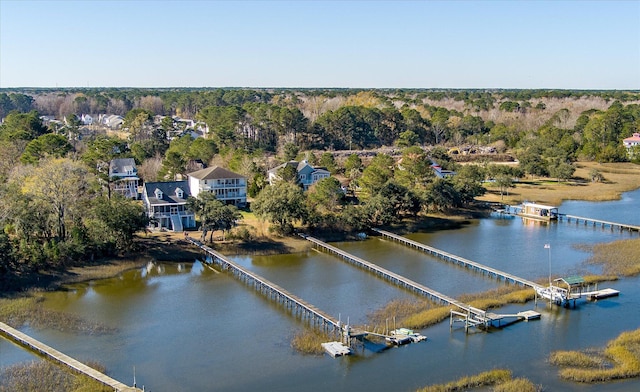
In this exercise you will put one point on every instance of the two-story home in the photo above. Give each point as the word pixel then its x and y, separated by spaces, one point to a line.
pixel 166 205
pixel 229 187
pixel 632 144
pixel 123 176
pixel 307 174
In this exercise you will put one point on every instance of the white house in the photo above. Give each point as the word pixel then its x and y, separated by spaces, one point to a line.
pixel 632 144
pixel 112 121
pixel 229 187
pixel 165 203
pixel 124 177
pixel 86 119
pixel 307 174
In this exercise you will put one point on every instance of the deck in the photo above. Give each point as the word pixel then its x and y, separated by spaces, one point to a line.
pixel 49 352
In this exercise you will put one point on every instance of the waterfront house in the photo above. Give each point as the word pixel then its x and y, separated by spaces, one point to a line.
pixel 632 144
pixel 166 205
pixel 229 187
pixel 123 176
pixel 307 174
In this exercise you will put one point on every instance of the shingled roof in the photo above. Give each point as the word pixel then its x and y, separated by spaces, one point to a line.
pixel 168 190
pixel 214 173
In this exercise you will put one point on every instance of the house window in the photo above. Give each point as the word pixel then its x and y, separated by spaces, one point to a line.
pixel 158 193
pixel 179 193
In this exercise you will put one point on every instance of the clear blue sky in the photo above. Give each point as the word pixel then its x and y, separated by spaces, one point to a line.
pixel 359 44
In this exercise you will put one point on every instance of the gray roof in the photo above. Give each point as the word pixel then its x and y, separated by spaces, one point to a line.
pixel 299 166
pixel 168 190
pixel 213 173
pixel 121 166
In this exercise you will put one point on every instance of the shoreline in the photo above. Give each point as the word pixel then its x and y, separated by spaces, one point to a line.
pixel 171 247
pixel 618 179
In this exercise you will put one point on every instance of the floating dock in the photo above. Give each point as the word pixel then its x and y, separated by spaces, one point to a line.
pixel 601 294
pixel 51 353
pixel 336 349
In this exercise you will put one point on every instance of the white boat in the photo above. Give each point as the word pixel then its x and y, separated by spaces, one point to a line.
pixel 555 294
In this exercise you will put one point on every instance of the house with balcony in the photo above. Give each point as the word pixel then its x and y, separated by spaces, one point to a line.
pixel 307 174
pixel 632 144
pixel 229 187
pixel 166 205
pixel 123 176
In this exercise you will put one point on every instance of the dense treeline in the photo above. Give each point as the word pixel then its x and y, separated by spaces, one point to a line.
pixel 57 209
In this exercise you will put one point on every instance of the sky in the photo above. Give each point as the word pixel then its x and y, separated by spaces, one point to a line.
pixel 321 44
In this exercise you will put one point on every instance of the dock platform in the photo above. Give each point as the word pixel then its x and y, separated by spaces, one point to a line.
pixel 336 349
pixel 601 294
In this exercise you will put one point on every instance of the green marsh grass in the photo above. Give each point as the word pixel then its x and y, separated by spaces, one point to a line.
pixel 619 360
pixel 517 385
pixel 43 376
pixel 30 310
pixel 484 379
pixel 309 342
pixel 618 258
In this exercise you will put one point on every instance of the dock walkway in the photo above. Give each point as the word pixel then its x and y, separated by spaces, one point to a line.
pixel 270 289
pixel 480 315
pixel 594 222
pixel 33 344
pixel 460 260
pixel 515 211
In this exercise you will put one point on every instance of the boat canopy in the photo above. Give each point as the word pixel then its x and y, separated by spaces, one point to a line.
pixel 572 280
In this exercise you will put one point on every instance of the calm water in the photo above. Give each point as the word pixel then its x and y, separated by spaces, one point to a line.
pixel 187 328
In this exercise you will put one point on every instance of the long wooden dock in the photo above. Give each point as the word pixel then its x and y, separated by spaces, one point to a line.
pixel 37 346
pixel 459 260
pixel 271 290
pixel 514 211
pixel 596 222
pixel 479 315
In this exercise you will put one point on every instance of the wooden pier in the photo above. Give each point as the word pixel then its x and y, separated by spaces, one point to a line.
pixel 500 275
pixel 475 315
pixel 596 222
pixel 49 352
pixel 515 211
pixel 272 291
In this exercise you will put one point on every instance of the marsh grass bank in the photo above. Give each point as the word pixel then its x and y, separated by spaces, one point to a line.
pixel 23 310
pixel 309 342
pixel 619 258
pixel 618 178
pixel 423 313
pixel 619 360
pixel 43 376
pixel 500 379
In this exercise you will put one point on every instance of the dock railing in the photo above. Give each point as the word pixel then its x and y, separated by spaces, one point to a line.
pixel 459 260
pixel 271 289
pixel 480 315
